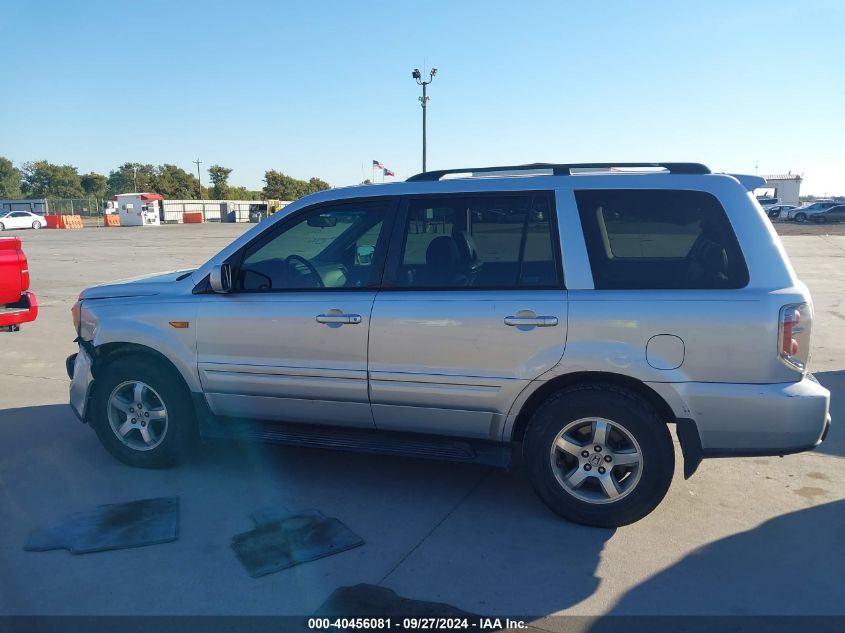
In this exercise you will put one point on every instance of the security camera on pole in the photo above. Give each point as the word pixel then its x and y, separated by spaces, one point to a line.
pixel 424 101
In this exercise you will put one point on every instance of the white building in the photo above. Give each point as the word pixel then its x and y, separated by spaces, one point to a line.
pixel 139 209
pixel 786 188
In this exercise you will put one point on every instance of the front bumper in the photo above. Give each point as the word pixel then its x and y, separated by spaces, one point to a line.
pixel 23 311
pixel 79 370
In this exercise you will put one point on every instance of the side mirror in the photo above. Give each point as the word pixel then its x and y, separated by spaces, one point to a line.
pixel 220 278
pixel 322 221
pixel 364 255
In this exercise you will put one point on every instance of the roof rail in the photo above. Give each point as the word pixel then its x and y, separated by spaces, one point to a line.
pixel 561 169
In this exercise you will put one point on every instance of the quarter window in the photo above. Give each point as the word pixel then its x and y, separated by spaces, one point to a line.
pixel 640 239
pixel 479 242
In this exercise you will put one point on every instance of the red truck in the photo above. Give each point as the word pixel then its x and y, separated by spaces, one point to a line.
pixel 17 304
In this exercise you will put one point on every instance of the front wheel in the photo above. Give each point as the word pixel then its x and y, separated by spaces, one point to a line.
pixel 142 413
pixel 2 227
pixel 800 217
pixel 599 455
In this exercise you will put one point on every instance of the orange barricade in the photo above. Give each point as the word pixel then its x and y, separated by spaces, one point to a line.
pixel 111 219
pixel 63 221
pixel 193 217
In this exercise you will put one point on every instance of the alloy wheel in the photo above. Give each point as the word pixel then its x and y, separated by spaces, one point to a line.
pixel 137 415
pixel 596 460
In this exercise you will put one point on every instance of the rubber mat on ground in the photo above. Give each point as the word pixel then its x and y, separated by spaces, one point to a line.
pixel 112 526
pixel 281 540
pixel 370 600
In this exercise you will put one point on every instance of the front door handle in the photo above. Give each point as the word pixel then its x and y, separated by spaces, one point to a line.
pixel 351 319
pixel 536 321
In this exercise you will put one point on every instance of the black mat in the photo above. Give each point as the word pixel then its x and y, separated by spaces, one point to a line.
pixel 112 526
pixel 370 600
pixel 281 540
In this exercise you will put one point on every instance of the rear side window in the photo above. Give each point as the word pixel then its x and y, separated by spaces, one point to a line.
pixel 479 241
pixel 660 239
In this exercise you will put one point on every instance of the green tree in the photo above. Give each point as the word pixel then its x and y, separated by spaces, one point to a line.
pixel 283 187
pixel 131 178
pixel 95 185
pixel 242 193
pixel 42 179
pixel 10 179
pixel 220 182
pixel 175 183
pixel 315 185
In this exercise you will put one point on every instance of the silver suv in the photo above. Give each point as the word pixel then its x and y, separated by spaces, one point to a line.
pixel 573 312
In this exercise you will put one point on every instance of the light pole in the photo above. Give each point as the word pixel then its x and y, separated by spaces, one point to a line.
pixel 199 178
pixel 424 99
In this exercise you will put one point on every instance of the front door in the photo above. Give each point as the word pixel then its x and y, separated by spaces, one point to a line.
pixel 477 310
pixel 290 342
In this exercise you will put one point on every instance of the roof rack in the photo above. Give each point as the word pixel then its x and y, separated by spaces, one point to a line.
pixel 561 169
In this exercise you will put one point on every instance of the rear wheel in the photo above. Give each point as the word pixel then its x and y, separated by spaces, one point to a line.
pixel 36 225
pixel 599 455
pixel 142 413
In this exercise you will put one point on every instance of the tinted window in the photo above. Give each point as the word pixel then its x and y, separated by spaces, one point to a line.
pixel 331 248
pixel 639 239
pixel 479 242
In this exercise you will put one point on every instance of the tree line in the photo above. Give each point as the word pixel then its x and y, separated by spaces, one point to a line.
pixel 42 179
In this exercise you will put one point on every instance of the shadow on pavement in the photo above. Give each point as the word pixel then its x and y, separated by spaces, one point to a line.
pixel 835 382
pixel 470 536
pixel 789 565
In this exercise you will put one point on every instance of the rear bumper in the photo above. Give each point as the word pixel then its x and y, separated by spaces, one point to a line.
pixel 742 419
pixel 22 311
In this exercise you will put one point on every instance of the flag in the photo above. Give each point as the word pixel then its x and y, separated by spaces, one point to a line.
pixel 378 165
pixel 387 172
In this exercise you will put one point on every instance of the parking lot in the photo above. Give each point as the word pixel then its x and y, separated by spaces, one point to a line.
pixel 743 536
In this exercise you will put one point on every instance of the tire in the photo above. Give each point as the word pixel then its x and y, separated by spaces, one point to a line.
pixel 634 429
pixel 2 227
pixel 36 225
pixel 800 217
pixel 165 443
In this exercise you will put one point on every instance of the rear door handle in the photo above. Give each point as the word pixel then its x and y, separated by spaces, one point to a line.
pixel 352 319
pixel 537 321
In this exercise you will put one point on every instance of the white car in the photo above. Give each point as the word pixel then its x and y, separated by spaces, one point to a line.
pixel 20 220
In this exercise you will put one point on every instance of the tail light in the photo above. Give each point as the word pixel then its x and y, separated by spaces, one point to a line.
pixel 794 335
pixel 24 266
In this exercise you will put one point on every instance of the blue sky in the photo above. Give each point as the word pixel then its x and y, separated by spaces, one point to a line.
pixel 322 88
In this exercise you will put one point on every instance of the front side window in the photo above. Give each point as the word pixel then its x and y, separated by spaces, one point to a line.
pixel 483 241
pixel 641 239
pixel 327 247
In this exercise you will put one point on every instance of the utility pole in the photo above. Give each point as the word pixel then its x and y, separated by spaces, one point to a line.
pixel 424 102
pixel 135 175
pixel 199 178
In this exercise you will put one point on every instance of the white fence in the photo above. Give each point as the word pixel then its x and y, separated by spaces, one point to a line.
pixel 214 210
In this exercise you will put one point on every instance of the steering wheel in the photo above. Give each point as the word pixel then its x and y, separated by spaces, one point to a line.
pixel 289 262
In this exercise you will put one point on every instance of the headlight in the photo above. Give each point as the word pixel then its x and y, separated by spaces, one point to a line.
pixel 76 315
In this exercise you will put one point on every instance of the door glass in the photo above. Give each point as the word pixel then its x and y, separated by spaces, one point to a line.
pixel 479 242
pixel 329 247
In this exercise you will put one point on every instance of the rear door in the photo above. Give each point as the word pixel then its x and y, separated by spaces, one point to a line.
pixel 18 220
pixel 473 308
